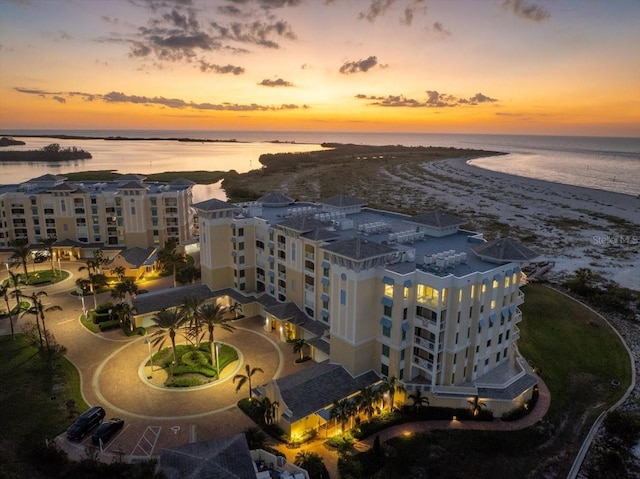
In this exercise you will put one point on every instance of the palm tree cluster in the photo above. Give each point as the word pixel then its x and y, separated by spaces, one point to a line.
pixel 194 319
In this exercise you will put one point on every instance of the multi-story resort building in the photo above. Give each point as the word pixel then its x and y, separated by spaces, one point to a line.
pixel 90 215
pixel 375 294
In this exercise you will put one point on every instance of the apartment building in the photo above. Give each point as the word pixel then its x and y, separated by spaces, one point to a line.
pixel 415 297
pixel 129 212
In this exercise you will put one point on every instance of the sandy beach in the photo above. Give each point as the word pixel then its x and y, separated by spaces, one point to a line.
pixel 573 226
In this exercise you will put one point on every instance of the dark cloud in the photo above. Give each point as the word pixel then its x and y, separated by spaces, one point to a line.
pixel 210 67
pixel 434 100
pixel 528 11
pixel 410 11
pixel 359 66
pixel 376 8
pixel 174 103
pixel 275 83
pixel 257 32
pixel 438 27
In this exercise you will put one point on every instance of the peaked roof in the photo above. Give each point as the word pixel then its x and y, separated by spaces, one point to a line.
pixel 63 187
pixel 131 177
pixel 46 178
pixel 504 250
pixel 437 219
pixel 168 298
pixel 302 224
pixel 223 458
pixel 321 234
pixel 359 249
pixel 139 256
pixel 131 185
pixel 274 198
pixel 314 388
pixel 181 182
pixel 214 205
pixel 342 201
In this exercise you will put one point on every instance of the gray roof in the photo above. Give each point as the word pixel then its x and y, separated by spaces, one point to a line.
pixel 359 249
pixel 139 256
pixel 321 234
pixel 316 387
pixel 320 344
pixel 168 298
pixel 132 185
pixel 512 391
pixel 437 219
pixel 181 182
pixel 287 312
pixel 274 198
pixel 69 243
pixel 214 205
pixel 504 250
pixel 302 224
pixel 342 201
pixel 63 187
pixel 46 178
pixel 224 458
pixel 131 177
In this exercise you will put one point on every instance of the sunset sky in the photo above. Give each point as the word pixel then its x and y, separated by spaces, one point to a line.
pixel 459 66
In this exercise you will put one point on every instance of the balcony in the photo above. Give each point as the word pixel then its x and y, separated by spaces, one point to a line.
pixel 309 256
pixel 423 363
pixel 260 277
pixel 520 298
pixel 516 334
pixel 517 316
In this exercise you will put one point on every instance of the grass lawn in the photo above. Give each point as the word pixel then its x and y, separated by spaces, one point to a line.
pixel 30 410
pixel 579 356
pixel 43 277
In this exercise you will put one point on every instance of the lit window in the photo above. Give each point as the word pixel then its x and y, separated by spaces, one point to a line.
pixel 388 290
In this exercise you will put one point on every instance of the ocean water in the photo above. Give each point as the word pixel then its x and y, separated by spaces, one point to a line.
pixel 611 164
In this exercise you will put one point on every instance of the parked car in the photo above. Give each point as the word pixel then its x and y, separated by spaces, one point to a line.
pixel 85 423
pixel 143 291
pixel 106 430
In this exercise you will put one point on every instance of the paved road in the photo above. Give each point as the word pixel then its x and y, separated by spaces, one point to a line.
pixel 112 375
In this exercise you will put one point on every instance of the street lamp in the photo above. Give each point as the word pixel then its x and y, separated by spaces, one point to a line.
pixel 148 343
pixel 218 359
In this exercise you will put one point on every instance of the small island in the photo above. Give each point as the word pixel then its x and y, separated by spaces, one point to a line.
pixel 6 141
pixel 50 153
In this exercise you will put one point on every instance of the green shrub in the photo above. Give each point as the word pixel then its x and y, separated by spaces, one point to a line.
pixel 195 359
pixel 101 318
pixel 185 382
pixel 180 369
pixel 108 325
pixel 104 308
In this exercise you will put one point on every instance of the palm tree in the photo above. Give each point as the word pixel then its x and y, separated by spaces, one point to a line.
pixel 20 256
pixel 123 312
pixel 418 400
pixel 312 463
pixel 212 315
pixel 4 292
pixel 391 386
pixel 368 401
pixel 48 243
pixel 16 281
pixel 269 410
pixel 99 260
pixel 189 306
pixel 188 274
pixel 235 309
pixel 38 310
pixel 120 272
pixel 476 405
pixel 120 290
pixel 342 411
pixel 169 321
pixel 169 258
pixel 246 379
pixel 299 346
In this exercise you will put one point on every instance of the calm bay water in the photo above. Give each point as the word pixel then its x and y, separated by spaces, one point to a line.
pixel 603 163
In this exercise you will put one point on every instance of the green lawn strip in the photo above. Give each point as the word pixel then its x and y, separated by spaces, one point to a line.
pixel 578 355
pixel 578 352
pixel 29 413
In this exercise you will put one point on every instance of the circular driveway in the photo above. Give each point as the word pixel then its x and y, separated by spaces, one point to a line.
pixel 155 418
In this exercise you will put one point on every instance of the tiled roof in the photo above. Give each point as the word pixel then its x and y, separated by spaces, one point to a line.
pixel 287 312
pixel 223 458
pixel 168 298
pixel 342 201
pixel 302 224
pixel 214 205
pixel 320 344
pixel 321 234
pixel 139 256
pixel 274 198
pixel 63 187
pixel 359 249
pixel 314 326
pixel 316 387
pixel 437 219
pixel 510 392
pixel 131 185
pixel 504 250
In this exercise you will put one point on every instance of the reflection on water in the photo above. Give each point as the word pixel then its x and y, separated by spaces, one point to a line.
pixel 147 156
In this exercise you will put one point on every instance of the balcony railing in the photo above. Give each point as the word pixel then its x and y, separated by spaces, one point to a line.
pixel 310 256
pixel 423 363
pixel 520 297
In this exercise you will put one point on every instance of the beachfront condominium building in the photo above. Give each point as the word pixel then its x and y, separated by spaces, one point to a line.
pixel 417 298
pixel 129 212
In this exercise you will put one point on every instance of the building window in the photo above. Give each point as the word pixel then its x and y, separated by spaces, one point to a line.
pixel 486 362
pixel 456 338
pixel 388 290
pixel 343 297
pixel 401 375
pixel 293 252
pixel 385 350
pixel 240 231
pixel 384 370
pixel 489 343
pixel 402 355
pixel 404 335
pixel 133 210
pixel 386 331
pixel 388 310
pixel 405 313
pixel 504 353
pixel 241 245
pixel 498 357
pixel 500 339
pixel 506 336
